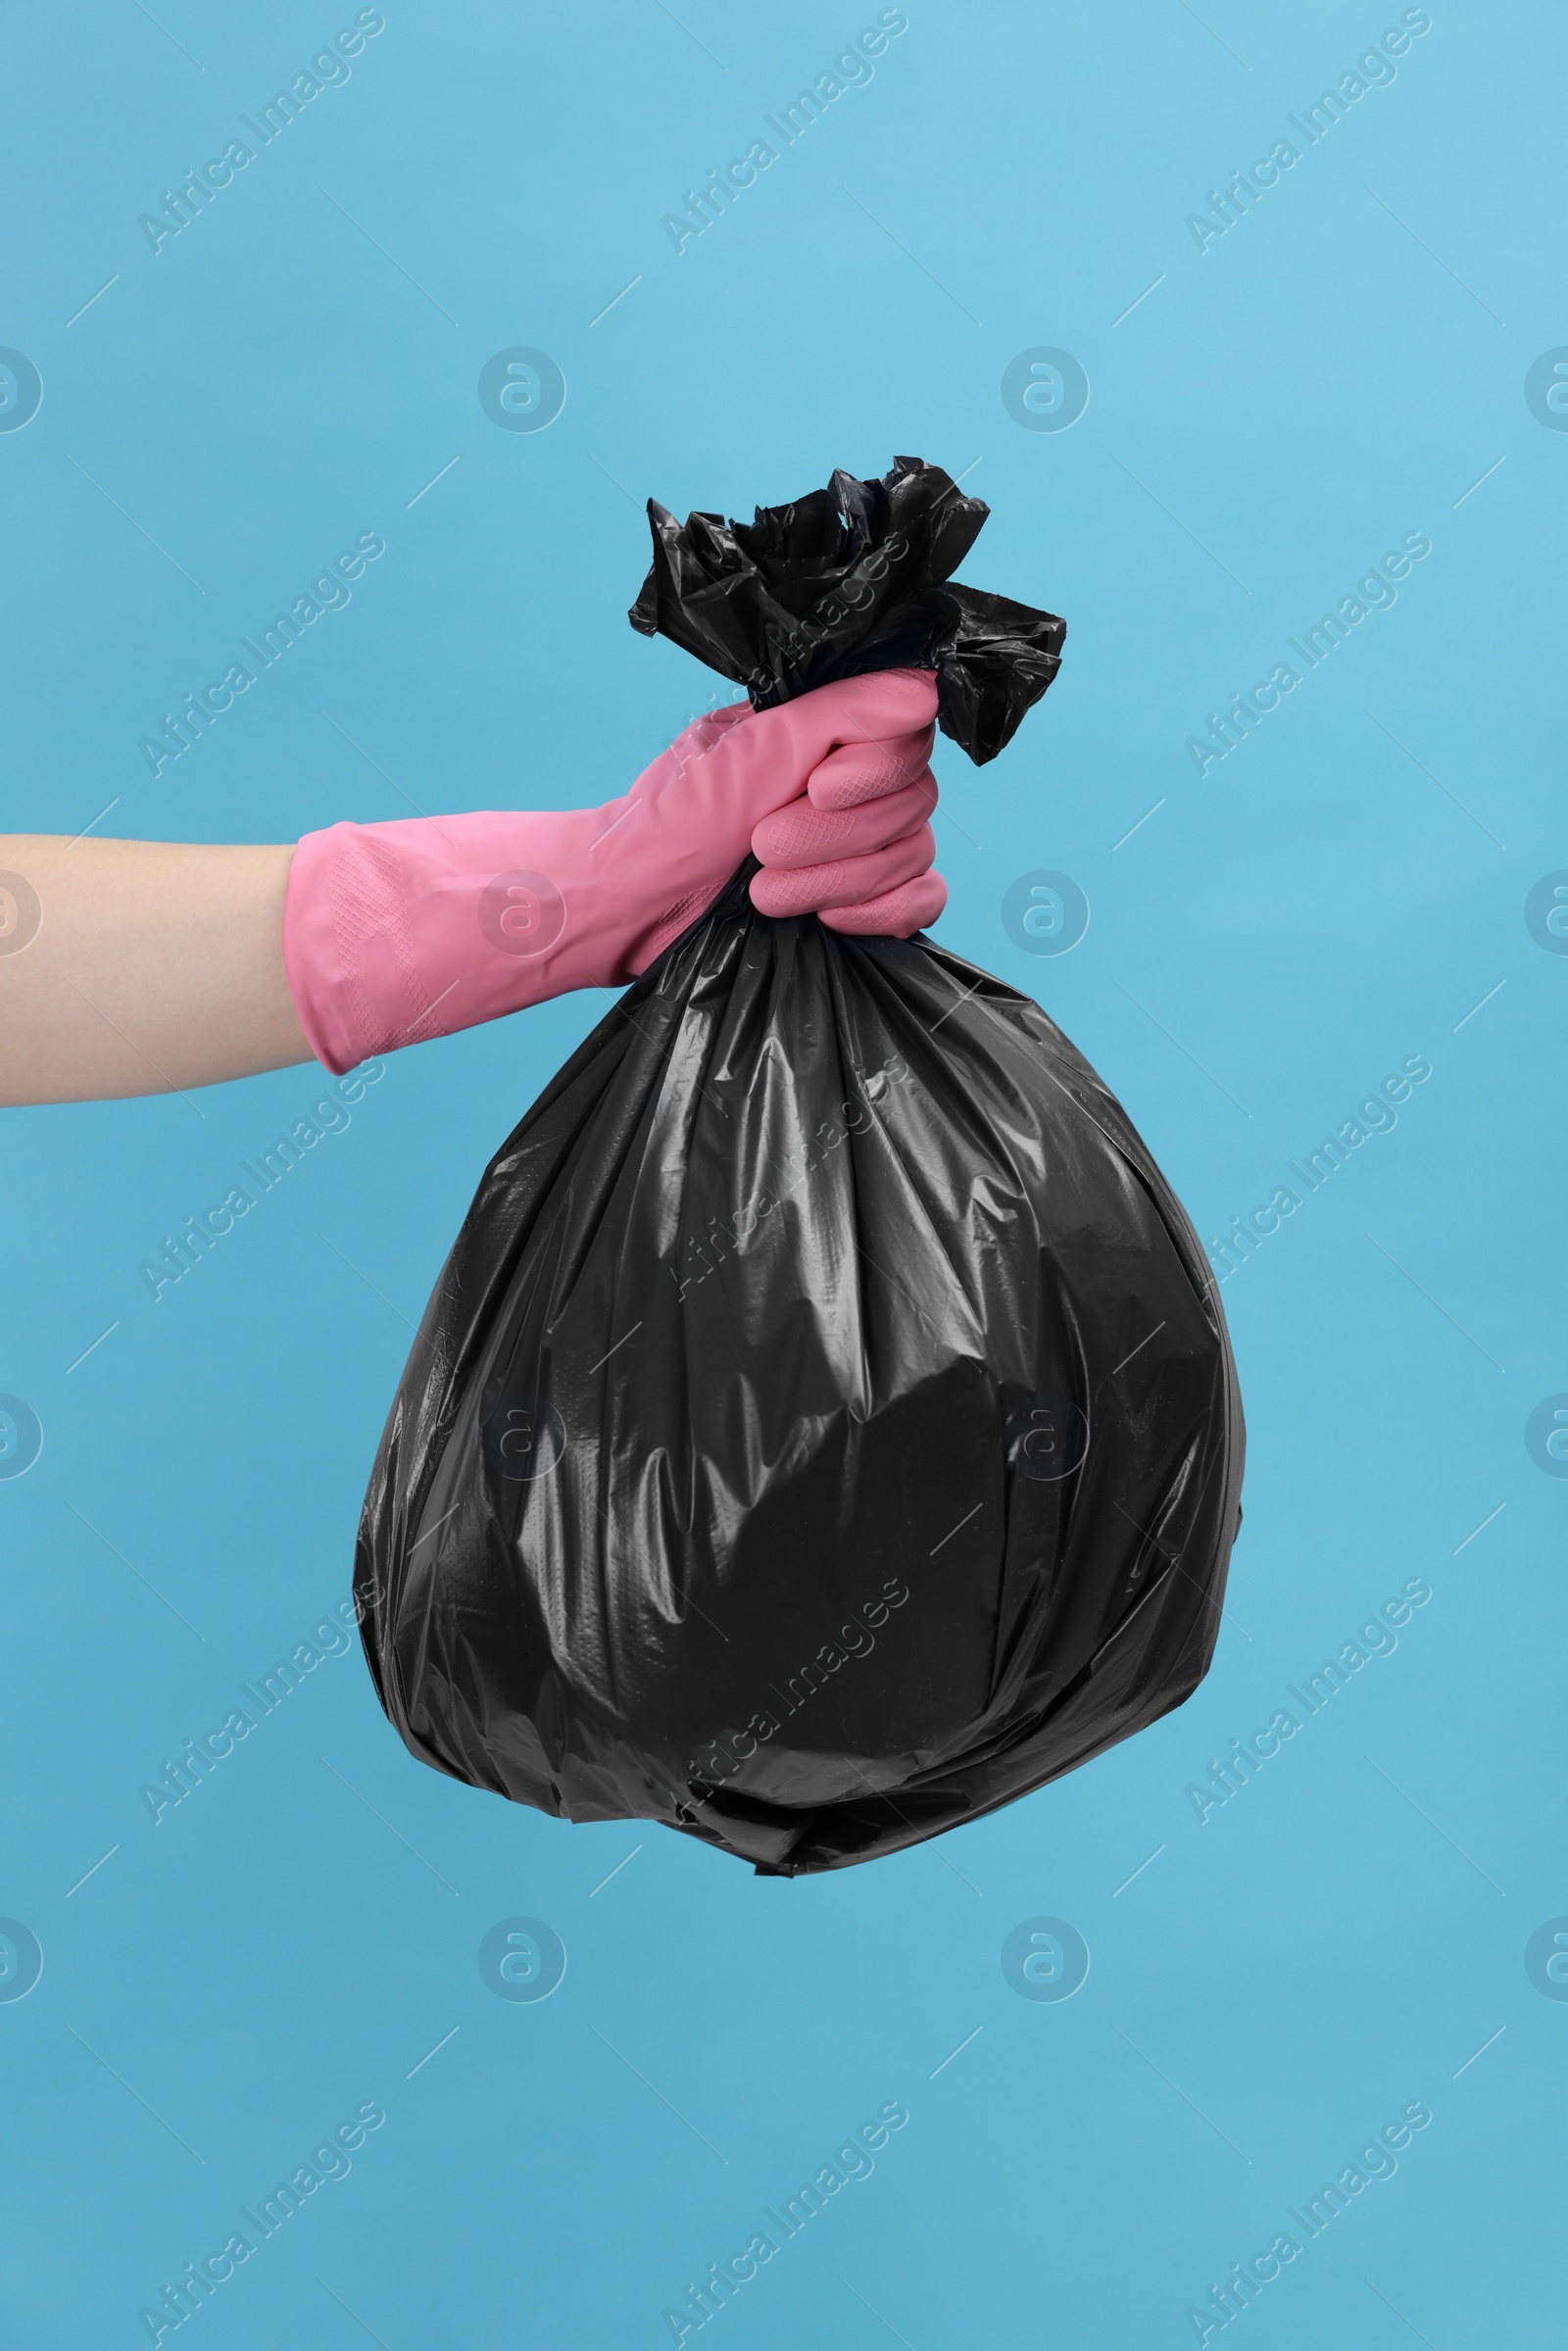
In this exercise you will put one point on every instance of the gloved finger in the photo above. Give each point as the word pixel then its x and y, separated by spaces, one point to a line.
pixel 782 890
pixel 714 787
pixel 784 745
pixel 863 771
pixel 806 834
pixel 897 915
pixel 869 708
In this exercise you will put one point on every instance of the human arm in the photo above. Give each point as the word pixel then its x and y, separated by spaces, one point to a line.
pixel 133 967
pixel 140 967
pixel 395 933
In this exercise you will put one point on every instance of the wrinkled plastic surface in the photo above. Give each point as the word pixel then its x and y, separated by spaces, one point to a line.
pixel 849 580
pixel 824 1430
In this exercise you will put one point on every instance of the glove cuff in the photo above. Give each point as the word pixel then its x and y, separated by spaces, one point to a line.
pixel 396 933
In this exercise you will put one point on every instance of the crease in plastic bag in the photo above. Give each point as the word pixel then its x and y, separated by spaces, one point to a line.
pixel 849 580
pixel 824 1428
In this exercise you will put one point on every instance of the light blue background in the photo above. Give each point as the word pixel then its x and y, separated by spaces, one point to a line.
pixel 1339 369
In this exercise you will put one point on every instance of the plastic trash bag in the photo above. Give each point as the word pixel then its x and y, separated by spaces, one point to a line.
pixel 824 1428
pixel 852 578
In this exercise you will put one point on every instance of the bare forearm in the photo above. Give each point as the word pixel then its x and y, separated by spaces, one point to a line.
pixel 134 966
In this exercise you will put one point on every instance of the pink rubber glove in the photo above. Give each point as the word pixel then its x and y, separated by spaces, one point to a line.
pixel 857 849
pixel 395 933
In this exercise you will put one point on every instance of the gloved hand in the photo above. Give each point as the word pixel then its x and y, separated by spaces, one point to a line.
pixel 856 848
pixel 395 933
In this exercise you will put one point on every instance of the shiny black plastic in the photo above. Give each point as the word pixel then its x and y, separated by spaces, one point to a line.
pixel 849 580
pixel 824 1428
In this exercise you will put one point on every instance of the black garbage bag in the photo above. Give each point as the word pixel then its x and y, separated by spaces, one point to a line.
pixel 849 580
pixel 824 1428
